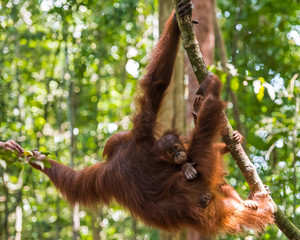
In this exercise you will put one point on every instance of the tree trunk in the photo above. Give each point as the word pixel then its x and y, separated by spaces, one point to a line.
pixel 57 222
pixel 204 31
pixel 18 225
pixel 96 215
pixel 172 114
pixel 71 119
pixel 204 13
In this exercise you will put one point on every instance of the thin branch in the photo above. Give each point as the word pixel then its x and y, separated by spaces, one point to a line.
pixel 295 133
pixel 248 169
pixel 223 56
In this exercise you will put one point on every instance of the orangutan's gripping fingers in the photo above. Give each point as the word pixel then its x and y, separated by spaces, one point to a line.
pixel 185 8
pixel 237 137
pixel 251 204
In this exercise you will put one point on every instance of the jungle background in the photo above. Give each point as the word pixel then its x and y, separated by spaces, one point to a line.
pixel 68 77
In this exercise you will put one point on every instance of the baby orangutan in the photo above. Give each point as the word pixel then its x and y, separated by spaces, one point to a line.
pixel 173 151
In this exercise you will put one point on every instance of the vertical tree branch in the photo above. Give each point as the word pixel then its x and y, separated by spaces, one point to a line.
pixel 191 46
pixel 237 151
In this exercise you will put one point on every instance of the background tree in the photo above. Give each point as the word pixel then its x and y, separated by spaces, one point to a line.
pixel 68 76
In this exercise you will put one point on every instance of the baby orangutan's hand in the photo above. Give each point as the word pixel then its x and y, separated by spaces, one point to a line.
pixel 189 171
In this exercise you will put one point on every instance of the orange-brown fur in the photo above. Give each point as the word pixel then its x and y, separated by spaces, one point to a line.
pixel 152 189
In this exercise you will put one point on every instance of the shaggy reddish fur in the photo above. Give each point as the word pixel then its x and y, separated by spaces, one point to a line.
pixel 152 189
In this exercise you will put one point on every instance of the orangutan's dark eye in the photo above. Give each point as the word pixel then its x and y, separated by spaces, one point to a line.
pixel 175 147
pixel 170 151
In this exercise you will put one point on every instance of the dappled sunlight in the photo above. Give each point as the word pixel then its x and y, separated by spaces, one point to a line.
pixel 69 71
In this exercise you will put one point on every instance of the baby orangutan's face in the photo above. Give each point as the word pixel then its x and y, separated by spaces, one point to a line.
pixel 172 149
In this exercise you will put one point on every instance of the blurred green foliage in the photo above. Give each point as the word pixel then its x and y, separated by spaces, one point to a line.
pixel 69 71
pixel 66 61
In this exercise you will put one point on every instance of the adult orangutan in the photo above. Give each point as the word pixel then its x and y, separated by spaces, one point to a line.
pixel 151 188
